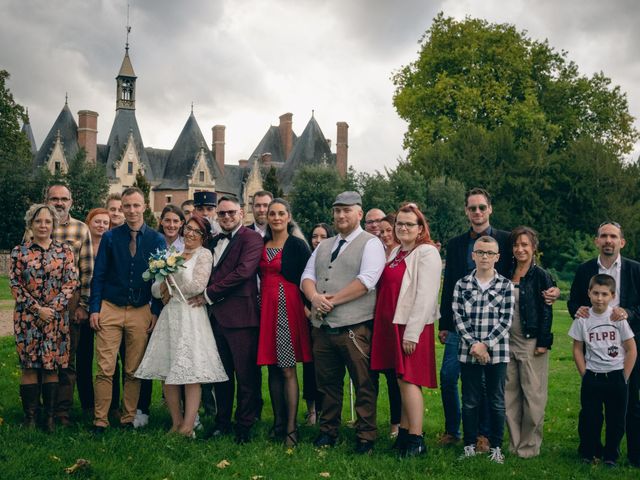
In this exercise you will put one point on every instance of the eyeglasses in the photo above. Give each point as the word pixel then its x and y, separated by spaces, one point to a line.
pixel 195 231
pixel 475 208
pixel 59 199
pixel 227 213
pixel 406 225
pixel 482 253
pixel 371 222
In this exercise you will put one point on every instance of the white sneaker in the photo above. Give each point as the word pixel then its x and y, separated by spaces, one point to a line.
pixel 496 455
pixel 140 420
pixel 197 425
pixel 469 451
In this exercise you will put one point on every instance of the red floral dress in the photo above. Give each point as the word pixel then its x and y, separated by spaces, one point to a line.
pixel 47 278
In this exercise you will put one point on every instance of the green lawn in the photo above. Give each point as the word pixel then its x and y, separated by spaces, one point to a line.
pixel 5 292
pixel 153 454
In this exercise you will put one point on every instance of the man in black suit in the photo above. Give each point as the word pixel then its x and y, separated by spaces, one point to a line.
pixel 259 207
pixel 459 264
pixel 626 306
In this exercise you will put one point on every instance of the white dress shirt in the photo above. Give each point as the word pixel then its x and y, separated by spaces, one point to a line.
pixel 614 271
pixel 371 265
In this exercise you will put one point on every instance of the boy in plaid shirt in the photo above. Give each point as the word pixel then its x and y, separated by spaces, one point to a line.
pixel 483 303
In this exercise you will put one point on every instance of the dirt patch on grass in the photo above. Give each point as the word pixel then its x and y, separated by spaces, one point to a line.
pixel 6 318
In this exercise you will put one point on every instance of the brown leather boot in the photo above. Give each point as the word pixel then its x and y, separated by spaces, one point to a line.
pixel 30 395
pixel 49 399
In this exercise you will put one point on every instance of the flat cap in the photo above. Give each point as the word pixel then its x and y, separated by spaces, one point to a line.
pixel 348 198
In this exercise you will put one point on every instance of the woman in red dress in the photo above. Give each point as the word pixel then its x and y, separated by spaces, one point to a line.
pixel 284 329
pixel 406 308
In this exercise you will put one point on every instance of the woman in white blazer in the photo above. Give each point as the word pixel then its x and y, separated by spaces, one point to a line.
pixel 406 309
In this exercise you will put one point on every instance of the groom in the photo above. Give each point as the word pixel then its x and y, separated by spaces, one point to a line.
pixel 233 298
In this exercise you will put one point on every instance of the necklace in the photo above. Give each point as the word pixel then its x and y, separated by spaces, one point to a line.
pixel 398 258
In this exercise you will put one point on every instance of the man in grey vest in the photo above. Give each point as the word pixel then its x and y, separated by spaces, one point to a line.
pixel 339 281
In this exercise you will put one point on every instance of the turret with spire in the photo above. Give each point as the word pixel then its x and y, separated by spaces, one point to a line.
pixel 126 80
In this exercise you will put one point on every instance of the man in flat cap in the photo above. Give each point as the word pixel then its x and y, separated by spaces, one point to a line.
pixel 339 281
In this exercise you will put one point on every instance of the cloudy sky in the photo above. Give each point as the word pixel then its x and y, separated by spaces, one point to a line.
pixel 245 62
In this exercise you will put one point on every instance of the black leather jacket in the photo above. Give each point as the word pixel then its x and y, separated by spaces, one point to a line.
pixel 535 315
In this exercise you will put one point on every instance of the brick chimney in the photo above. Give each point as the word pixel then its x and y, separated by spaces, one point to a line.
pixel 286 133
pixel 265 158
pixel 88 133
pixel 342 145
pixel 243 163
pixel 217 145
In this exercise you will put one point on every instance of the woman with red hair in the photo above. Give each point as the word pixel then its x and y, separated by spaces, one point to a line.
pixel 406 309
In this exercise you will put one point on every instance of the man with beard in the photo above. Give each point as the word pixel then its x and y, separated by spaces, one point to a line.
pixel 259 208
pixel 75 234
pixel 232 294
pixel 626 306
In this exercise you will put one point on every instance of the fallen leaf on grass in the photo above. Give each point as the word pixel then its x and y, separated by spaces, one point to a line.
pixel 289 451
pixel 257 477
pixel 223 463
pixel 325 474
pixel 53 457
pixel 80 463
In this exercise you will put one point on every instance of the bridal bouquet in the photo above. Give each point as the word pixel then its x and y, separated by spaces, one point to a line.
pixel 162 265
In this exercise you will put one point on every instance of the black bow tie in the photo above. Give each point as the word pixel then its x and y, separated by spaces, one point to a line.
pixel 228 236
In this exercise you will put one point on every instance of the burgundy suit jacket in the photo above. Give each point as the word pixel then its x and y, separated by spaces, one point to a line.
pixel 233 286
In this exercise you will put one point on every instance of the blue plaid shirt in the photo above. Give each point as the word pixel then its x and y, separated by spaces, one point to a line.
pixel 483 316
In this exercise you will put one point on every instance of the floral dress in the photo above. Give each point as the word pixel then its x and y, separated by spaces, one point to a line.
pixel 42 278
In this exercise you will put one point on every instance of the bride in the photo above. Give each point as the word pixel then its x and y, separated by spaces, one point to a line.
pixel 182 350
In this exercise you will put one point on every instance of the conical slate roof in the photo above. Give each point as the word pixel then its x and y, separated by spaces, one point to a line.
pixel 310 149
pixel 126 69
pixel 271 143
pixel 124 124
pixel 66 126
pixel 183 157
pixel 26 129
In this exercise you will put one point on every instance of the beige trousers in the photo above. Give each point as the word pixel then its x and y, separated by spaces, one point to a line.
pixel 115 323
pixel 525 396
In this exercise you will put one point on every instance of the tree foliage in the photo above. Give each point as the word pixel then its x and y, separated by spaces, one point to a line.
pixel 488 106
pixel 15 167
pixel 313 191
pixel 271 183
pixel 473 72
pixel 142 184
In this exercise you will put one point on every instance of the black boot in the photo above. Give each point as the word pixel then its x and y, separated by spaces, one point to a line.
pixel 415 446
pixel 30 395
pixel 401 440
pixel 49 400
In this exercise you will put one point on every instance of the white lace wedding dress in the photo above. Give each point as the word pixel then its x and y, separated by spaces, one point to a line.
pixel 182 349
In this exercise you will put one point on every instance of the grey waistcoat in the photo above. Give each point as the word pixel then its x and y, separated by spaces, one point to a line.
pixel 333 276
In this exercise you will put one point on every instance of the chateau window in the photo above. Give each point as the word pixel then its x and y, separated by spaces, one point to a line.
pixel 57 167
pixel 130 168
pixel 168 198
pixel 201 176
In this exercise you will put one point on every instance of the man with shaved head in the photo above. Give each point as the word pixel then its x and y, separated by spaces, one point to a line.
pixel 372 221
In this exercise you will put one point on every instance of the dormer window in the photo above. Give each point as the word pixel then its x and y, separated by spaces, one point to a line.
pixel 201 176
pixel 130 168
pixel 57 167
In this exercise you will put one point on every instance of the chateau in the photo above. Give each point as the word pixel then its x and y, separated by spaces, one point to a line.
pixel 192 164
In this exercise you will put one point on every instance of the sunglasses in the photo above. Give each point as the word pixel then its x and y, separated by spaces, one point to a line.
pixel 475 208
pixel 227 213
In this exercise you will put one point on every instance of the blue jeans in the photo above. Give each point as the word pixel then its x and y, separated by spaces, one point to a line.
pixel 472 393
pixel 449 376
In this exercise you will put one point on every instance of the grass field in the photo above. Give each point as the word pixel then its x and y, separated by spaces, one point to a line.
pixel 151 454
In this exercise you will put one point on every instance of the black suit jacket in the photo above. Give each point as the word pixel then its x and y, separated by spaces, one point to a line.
pixel 456 267
pixel 233 286
pixel 629 289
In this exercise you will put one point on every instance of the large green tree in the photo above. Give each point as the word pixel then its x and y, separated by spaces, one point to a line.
pixel 473 72
pixel 15 167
